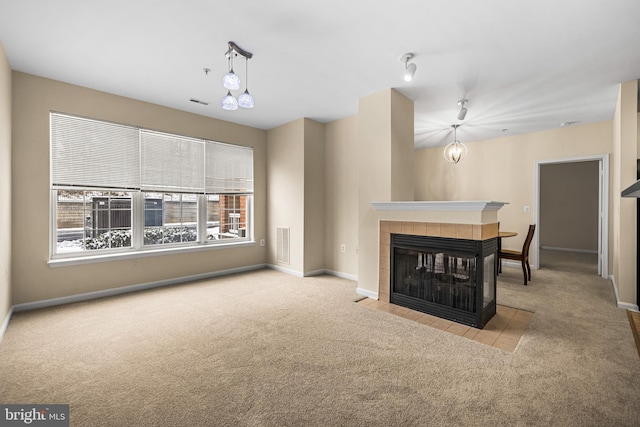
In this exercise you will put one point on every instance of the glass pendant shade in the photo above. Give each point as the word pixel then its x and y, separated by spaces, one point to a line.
pixel 245 100
pixel 231 81
pixel 455 151
pixel 229 102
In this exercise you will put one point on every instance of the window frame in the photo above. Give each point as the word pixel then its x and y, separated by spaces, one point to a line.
pixel 137 247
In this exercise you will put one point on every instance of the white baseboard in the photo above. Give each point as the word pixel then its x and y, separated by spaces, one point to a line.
pixel 5 323
pixel 580 251
pixel 285 270
pixel 127 289
pixel 627 306
pixel 314 273
pixel 620 304
pixel 367 293
pixel 347 276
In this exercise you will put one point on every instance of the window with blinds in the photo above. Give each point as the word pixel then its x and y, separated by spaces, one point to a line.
pixel 122 188
pixel 171 163
pixel 88 153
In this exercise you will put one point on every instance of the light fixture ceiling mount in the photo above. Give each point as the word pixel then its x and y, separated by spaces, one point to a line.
pixel 409 68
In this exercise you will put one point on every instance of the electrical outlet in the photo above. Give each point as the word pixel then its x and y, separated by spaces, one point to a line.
pixel 343 248
pixel 261 242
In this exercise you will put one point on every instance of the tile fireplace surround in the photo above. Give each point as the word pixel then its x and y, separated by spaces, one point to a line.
pixel 402 218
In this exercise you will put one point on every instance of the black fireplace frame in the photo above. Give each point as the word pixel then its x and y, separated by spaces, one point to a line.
pixel 472 248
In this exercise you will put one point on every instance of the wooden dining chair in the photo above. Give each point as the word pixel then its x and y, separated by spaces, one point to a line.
pixel 522 256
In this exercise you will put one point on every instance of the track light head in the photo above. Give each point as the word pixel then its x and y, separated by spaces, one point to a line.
pixel 409 72
pixel 463 109
pixel 462 114
pixel 409 69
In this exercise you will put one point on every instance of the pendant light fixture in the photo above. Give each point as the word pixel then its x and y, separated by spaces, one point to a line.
pixel 246 100
pixel 230 81
pixel 456 150
pixel 229 102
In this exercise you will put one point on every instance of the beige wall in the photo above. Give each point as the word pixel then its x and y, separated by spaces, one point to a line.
pixel 385 163
pixel 402 147
pixel 296 193
pixel 625 153
pixel 503 170
pixel 5 187
pixel 314 191
pixel 569 205
pixel 341 196
pixel 32 278
pixel 285 200
pixel 320 181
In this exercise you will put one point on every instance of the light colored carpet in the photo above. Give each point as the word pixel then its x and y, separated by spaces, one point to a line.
pixel 268 349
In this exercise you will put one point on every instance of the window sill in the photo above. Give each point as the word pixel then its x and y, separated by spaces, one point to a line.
pixel 91 259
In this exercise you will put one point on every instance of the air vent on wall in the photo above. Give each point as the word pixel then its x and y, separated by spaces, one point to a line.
pixel 282 237
pixel 197 101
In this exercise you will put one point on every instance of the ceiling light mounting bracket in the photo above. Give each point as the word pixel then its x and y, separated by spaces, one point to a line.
pixel 406 57
pixel 236 50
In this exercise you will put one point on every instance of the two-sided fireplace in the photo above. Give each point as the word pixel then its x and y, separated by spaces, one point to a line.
pixel 454 279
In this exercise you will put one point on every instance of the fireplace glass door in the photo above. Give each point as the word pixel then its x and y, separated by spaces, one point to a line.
pixel 450 278
pixel 447 279
pixel 489 288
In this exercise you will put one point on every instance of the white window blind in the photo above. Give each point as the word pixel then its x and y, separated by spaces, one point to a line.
pixel 229 168
pixel 90 153
pixel 171 163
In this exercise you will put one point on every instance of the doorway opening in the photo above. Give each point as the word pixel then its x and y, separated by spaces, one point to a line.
pixel 571 208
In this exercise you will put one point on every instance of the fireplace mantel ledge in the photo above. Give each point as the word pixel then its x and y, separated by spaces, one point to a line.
pixel 453 206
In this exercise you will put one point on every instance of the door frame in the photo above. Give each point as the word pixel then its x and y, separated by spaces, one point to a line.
pixel 603 208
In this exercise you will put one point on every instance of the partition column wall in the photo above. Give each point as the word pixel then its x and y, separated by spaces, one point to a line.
pixel 296 196
pixel 625 154
pixel 385 172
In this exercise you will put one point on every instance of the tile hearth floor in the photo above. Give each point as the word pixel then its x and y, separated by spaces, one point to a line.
pixel 503 331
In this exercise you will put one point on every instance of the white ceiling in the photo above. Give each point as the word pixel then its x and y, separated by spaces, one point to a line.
pixel 524 66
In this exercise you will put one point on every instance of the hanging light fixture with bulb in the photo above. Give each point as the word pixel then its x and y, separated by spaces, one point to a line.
pixel 456 150
pixel 246 100
pixel 231 81
pixel 409 69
